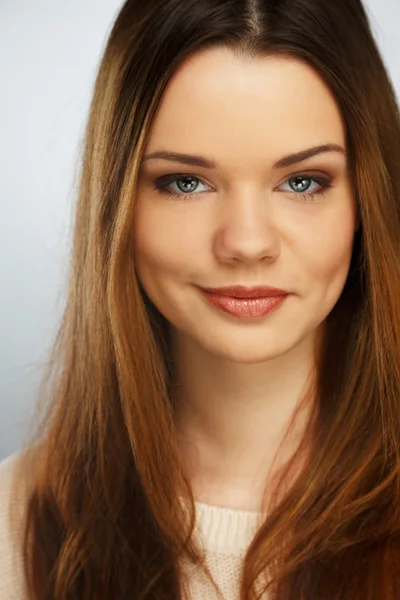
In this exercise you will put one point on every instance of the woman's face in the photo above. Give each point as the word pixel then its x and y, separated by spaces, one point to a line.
pixel 245 221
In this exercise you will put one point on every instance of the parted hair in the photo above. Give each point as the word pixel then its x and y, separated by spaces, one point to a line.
pixel 103 517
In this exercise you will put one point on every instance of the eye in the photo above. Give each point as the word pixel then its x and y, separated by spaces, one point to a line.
pixel 190 185
pixel 301 185
pixel 187 185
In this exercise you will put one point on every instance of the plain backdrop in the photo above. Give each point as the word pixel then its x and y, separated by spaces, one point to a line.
pixel 50 53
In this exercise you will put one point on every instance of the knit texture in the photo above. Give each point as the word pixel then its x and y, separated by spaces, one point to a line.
pixel 223 533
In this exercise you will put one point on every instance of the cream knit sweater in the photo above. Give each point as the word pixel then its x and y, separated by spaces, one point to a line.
pixel 224 533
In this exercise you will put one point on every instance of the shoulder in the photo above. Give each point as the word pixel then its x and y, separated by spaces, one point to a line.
pixel 14 491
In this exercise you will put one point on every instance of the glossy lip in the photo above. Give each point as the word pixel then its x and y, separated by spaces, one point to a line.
pixel 245 308
pixel 241 291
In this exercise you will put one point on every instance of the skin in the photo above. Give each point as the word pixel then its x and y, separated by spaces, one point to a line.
pixel 238 381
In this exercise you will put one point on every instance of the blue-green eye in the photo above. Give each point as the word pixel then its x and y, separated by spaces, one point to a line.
pixel 302 184
pixel 188 185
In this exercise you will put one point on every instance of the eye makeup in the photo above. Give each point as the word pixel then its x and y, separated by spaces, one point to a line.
pixel 162 186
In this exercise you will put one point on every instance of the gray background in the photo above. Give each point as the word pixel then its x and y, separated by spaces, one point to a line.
pixel 50 52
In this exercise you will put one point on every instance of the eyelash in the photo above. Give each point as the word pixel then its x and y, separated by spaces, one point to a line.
pixel 162 183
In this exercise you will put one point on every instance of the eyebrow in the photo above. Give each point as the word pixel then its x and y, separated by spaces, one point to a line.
pixel 195 160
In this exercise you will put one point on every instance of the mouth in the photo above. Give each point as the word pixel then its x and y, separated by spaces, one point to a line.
pixel 246 293
pixel 244 307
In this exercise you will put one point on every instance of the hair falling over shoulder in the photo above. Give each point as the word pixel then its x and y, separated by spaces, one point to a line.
pixel 104 520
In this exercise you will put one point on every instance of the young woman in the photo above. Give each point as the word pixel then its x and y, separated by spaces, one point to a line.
pixel 201 442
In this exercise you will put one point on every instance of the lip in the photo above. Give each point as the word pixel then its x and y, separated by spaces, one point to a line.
pixel 247 293
pixel 245 308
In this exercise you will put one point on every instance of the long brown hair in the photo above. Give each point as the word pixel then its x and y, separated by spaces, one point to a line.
pixel 104 519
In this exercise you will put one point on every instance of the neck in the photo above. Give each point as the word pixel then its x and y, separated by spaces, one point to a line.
pixel 232 418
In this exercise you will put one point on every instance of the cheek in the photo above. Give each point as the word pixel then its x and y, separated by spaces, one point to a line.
pixel 327 259
pixel 160 245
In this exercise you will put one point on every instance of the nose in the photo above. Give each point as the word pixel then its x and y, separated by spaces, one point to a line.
pixel 246 228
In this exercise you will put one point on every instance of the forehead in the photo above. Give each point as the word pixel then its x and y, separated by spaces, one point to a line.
pixel 237 109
